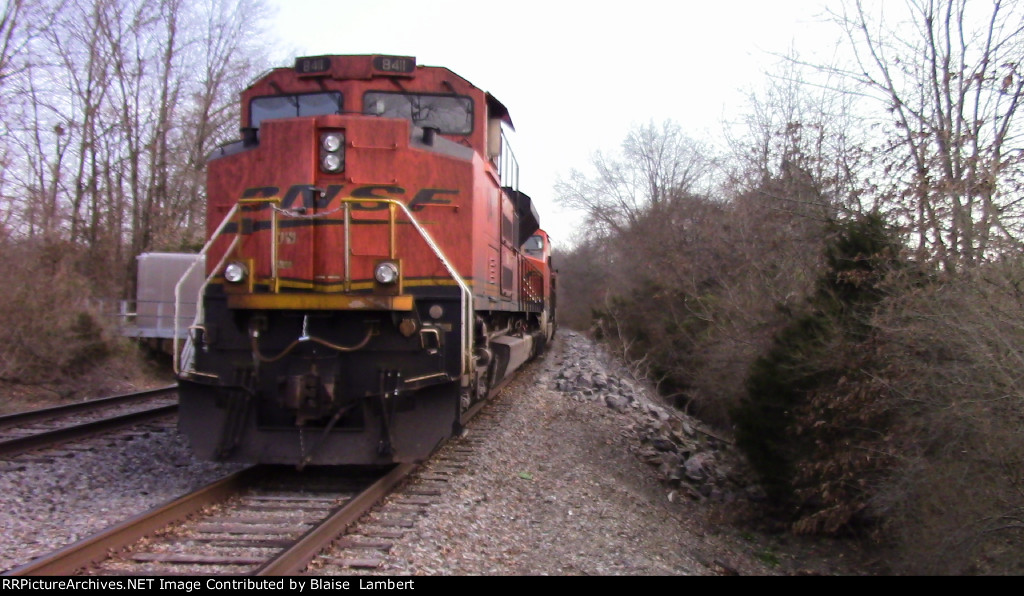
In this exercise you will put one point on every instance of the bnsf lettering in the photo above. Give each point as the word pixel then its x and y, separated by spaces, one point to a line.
pixel 370 192
pixel 426 196
pixel 305 196
pixel 311 196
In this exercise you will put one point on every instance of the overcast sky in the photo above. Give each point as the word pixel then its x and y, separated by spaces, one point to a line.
pixel 576 76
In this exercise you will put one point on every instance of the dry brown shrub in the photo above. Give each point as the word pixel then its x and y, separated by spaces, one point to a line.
pixel 693 291
pixel 53 329
pixel 764 257
pixel 955 356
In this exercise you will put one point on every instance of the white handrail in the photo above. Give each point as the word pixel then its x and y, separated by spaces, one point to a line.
pixel 467 361
pixel 467 294
pixel 202 289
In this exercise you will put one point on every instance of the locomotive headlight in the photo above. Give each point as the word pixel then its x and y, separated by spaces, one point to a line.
pixel 235 273
pixel 332 162
pixel 386 273
pixel 332 142
pixel 332 151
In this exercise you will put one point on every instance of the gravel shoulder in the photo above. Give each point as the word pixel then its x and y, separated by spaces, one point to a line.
pixel 564 484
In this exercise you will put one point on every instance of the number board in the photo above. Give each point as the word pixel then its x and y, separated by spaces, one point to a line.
pixel 395 64
pixel 312 65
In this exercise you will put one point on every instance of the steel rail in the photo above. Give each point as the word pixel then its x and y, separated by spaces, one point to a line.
pixel 50 438
pixel 295 559
pixel 19 418
pixel 96 548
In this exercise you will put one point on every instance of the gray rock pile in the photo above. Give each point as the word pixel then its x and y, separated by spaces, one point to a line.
pixel 692 461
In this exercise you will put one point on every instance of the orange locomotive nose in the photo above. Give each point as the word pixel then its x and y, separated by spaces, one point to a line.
pixel 372 267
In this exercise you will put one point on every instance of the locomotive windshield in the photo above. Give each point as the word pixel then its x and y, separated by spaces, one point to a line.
pixel 451 114
pixel 291 106
pixel 534 247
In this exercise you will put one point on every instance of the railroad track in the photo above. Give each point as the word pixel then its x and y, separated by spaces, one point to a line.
pixel 367 544
pixel 259 521
pixel 268 520
pixel 44 428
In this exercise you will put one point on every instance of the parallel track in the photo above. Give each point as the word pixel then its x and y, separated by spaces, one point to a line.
pixel 40 429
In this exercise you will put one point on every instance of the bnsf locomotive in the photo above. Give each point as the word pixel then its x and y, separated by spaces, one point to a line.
pixel 373 270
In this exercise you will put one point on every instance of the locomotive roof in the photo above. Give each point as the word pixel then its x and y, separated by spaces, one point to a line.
pixel 370 66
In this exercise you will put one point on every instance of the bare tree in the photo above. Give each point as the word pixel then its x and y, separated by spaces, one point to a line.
pixel 85 70
pixel 110 115
pixel 657 166
pixel 801 123
pixel 108 109
pixel 222 61
pixel 949 73
pixel 16 29
pixel 19 21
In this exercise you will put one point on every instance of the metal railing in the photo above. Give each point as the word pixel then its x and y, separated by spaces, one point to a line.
pixel 508 165
pixel 467 361
pixel 153 318
pixel 197 322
